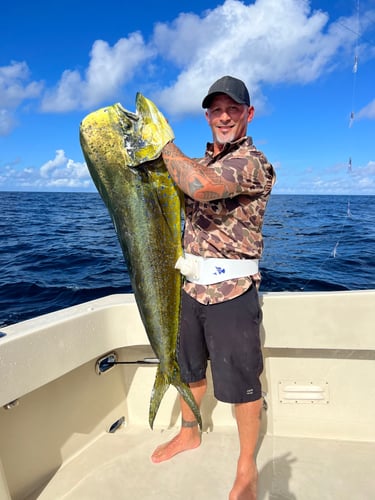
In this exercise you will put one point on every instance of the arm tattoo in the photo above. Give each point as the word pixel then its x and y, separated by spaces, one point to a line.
pixel 197 181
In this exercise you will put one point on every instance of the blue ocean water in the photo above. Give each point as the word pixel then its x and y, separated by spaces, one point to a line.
pixel 60 249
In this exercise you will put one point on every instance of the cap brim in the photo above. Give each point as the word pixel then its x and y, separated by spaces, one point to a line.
pixel 207 100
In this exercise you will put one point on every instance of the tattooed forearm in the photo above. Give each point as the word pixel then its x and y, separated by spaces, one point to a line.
pixel 194 179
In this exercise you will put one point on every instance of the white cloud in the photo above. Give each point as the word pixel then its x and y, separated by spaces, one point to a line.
pixel 270 41
pixel 367 112
pixel 52 166
pixel 60 172
pixel 7 122
pixel 339 179
pixel 109 68
pixel 364 177
pixel 15 88
pixel 265 42
pixel 64 172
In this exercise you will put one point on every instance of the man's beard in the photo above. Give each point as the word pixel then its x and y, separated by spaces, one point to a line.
pixel 220 139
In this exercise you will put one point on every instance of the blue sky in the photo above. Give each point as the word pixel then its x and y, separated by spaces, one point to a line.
pixel 59 61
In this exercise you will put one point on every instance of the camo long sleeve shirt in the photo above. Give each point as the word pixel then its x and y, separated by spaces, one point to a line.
pixel 230 228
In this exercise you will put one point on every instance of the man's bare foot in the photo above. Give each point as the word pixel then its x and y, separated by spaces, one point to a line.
pixel 186 439
pixel 245 484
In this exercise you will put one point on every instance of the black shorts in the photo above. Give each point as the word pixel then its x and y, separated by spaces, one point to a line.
pixel 228 334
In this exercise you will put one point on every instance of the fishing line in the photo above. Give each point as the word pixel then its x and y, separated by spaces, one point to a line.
pixel 344 216
pixel 352 113
pixel 349 215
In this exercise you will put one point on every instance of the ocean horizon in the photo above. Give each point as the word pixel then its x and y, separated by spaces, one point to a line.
pixel 60 249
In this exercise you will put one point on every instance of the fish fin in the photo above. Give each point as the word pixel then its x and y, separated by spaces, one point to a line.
pixel 161 385
pixel 187 395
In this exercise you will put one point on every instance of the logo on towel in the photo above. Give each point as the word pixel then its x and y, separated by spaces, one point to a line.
pixel 219 270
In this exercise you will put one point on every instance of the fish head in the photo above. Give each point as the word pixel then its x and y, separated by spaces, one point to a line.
pixel 142 134
pixel 151 132
pixel 105 136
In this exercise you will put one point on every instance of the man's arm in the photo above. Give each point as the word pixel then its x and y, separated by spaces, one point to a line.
pixel 195 180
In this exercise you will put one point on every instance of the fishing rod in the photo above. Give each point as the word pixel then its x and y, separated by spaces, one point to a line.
pixel 108 361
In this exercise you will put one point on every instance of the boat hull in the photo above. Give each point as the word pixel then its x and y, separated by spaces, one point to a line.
pixel 319 351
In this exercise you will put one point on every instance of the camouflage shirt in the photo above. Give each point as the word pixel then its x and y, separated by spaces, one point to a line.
pixel 231 227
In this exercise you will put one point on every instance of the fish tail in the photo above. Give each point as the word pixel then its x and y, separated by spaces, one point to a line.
pixel 161 385
pixel 186 394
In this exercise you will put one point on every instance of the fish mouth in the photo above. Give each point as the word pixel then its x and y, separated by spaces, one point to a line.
pixel 124 113
pixel 132 126
pixel 128 125
pixel 147 132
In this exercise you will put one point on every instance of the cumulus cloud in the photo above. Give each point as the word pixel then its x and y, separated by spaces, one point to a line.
pixel 108 70
pixel 338 179
pixel 60 172
pixel 15 88
pixel 268 42
pixel 64 172
pixel 265 42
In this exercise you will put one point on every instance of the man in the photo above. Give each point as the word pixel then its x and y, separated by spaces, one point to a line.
pixel 226 196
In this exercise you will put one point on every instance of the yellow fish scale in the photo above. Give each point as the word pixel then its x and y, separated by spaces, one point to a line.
pixel 145 206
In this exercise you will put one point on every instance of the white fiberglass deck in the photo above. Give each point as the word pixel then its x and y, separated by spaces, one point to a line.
pixel 117 467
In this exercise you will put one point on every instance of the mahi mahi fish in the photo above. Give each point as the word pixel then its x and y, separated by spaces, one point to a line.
pixel 145 207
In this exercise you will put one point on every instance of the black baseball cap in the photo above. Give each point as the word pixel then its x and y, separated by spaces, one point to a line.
pixel 235 88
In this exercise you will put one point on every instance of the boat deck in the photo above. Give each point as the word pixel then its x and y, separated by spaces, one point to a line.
pixel 117 466
pixel 317 429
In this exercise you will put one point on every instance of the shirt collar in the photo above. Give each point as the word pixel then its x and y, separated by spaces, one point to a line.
pixel 228 146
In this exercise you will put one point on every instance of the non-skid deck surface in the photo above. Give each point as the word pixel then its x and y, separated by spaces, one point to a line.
pixel 117 467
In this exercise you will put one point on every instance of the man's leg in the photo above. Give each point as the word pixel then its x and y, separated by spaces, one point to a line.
pixel 189 436
pixel 248 423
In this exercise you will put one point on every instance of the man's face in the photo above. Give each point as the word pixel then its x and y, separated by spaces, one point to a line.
pixel 228 119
